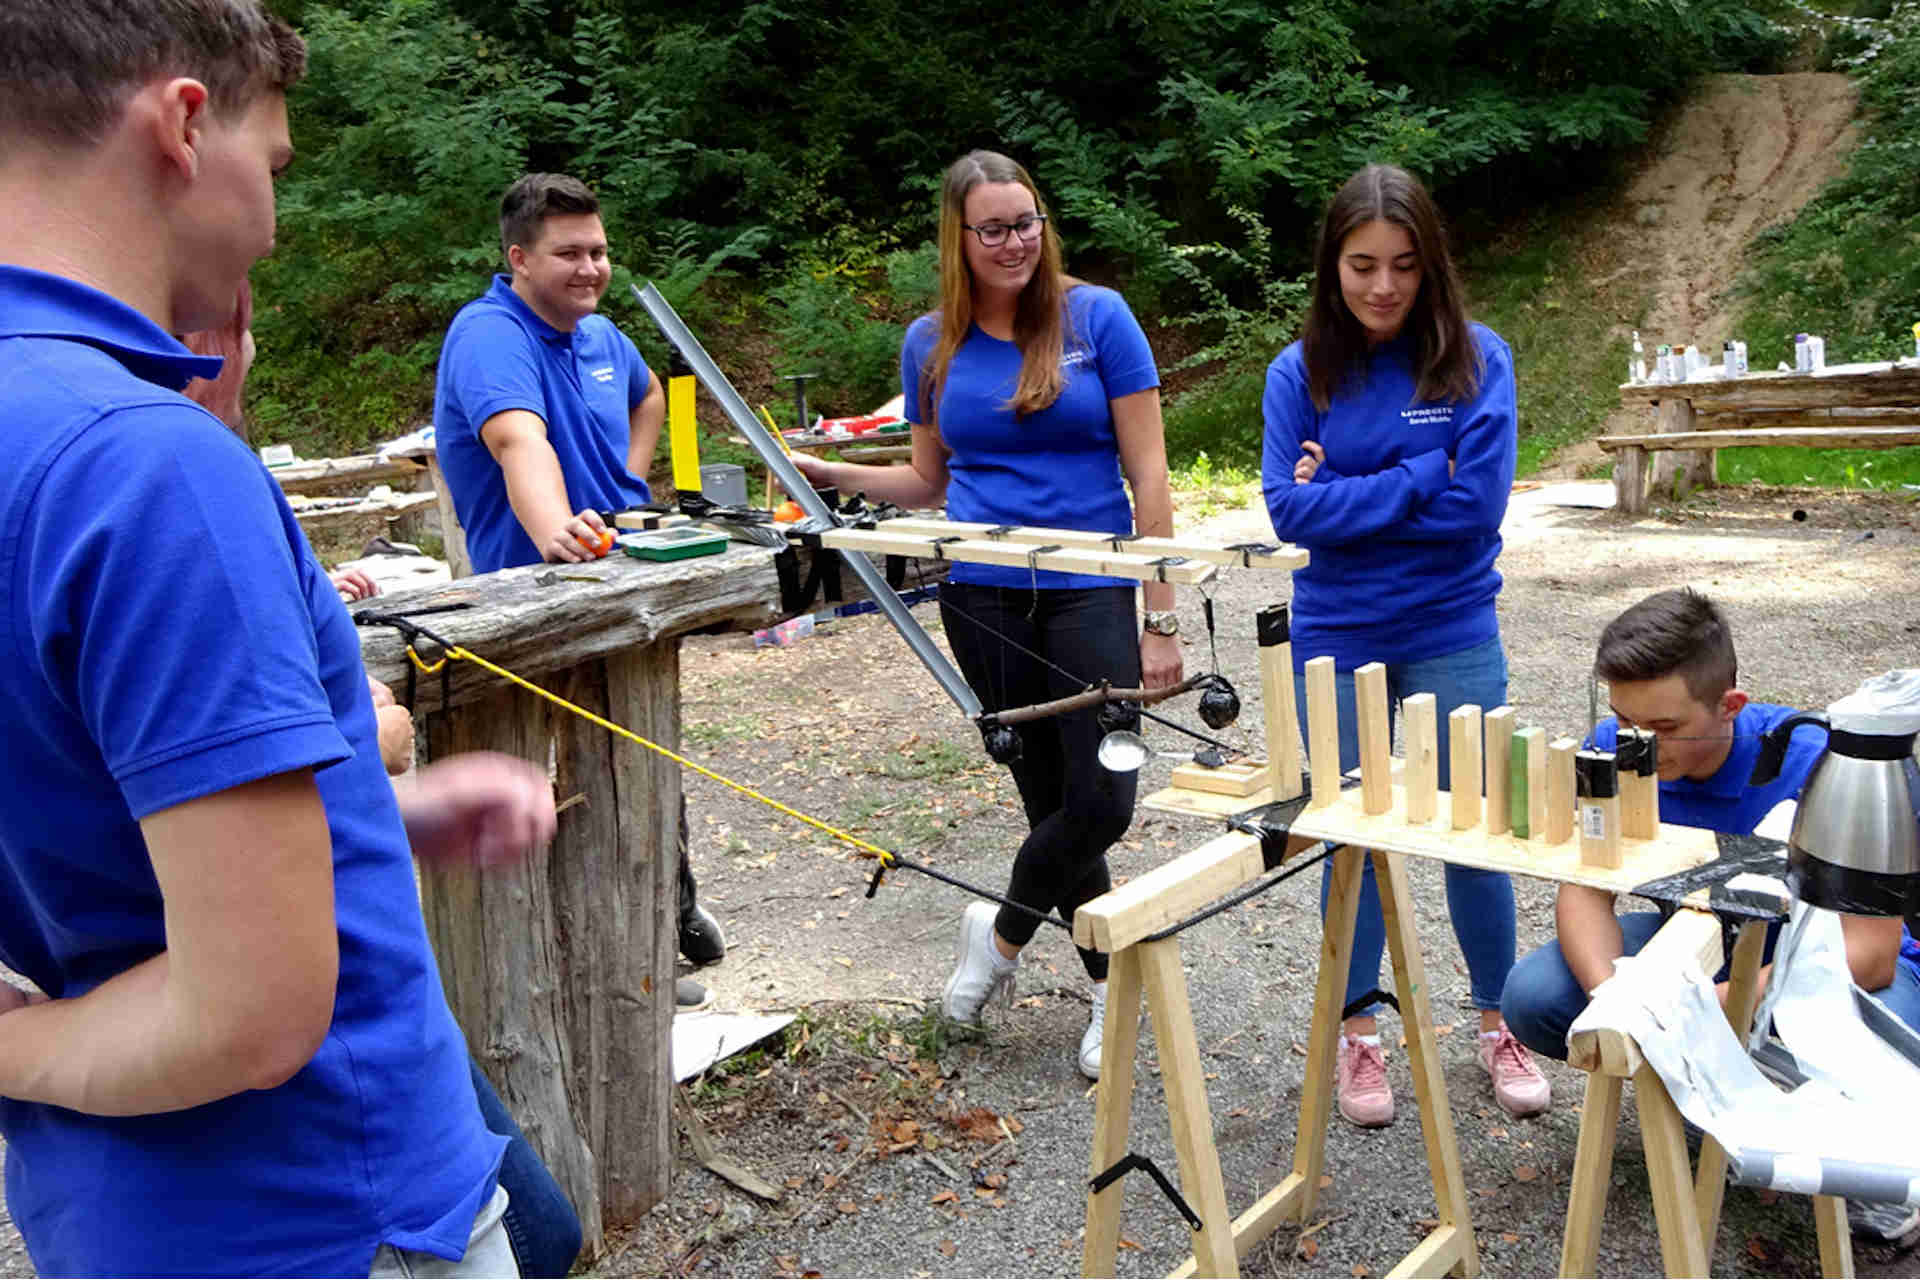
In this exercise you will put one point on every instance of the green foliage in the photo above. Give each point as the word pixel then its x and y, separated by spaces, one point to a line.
pixel 1883 469
pixel 1219 420
pixel 1848 267
pixel 843 319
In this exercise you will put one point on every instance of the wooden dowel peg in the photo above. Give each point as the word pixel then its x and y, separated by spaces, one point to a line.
pixel 1323 732
pixel 1273 630
pixel 1596 777
pixel 1421 717
pixel 1376 759
pixel 1499 748
pixel 1560 753
pixel 1528 774
pixel 1463 734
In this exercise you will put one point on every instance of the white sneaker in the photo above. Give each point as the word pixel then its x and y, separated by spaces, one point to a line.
pixel 982 972
pixel 1095 1035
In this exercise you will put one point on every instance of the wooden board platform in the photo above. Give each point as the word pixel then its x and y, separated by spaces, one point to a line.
pixel 1285 557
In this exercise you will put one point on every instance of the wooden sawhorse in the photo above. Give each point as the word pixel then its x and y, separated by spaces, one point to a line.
pixel 1686 1205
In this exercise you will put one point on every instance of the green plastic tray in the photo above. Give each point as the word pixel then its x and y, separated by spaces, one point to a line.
pixel 679 543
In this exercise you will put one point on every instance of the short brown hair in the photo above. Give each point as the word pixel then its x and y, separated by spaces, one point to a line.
pixel 533 199
pixel 67 67
pixel 1446 363
pixel 1678 632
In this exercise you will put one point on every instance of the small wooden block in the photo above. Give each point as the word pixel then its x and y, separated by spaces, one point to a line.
pixel 1422 757
pixel 1240 778
pixel 1463 730
pixel 1499 748
pixel 1638 755
pixel 1376 763
pixel 1597 781
pixel 1323 732
pixel 1276 698
pixel 1560 753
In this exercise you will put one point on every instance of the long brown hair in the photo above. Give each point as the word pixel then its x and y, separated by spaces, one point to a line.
pixel 1447 365
pixel 1040 316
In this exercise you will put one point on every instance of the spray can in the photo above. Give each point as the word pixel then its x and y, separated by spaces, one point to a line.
pixel 1663 363
pixel 1637 364
pixel 1802 355
pixel 1740 355
pixel 1816 353
pixel 1729 363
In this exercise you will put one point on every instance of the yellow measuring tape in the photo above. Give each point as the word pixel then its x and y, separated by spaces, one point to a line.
pixel 887 859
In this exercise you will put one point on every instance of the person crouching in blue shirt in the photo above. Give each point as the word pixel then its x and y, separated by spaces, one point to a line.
pixel 1389 455
pixel 545 415
pixel 239 1059
pixel 1031 394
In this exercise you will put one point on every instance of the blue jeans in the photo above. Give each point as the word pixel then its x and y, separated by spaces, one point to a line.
pixel 1480 903
pixel 540 1221
pixel 1902 996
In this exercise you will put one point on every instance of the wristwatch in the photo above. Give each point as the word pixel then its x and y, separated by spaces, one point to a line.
pixel 1162 622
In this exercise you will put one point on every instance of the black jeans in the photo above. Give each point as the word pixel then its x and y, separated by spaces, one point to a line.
pixel 1075 808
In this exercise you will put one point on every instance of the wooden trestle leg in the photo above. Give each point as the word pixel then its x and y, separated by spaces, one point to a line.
pixel 1112 1111
pixel 1183 1076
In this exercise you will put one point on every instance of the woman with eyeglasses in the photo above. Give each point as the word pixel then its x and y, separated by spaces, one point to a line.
pixel 1032 394
pixel 1389 454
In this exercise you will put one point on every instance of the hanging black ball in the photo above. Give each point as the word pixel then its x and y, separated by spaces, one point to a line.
pixel 1118 717
pixel 1219 705
pixel 1003 743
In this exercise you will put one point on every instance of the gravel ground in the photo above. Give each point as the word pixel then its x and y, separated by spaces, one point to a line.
pixel 882 1127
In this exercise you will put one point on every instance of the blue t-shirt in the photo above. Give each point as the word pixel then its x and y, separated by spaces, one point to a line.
pixel 584 385
pixel 1725 802
pixel 166 634
pixel 1058 468
pixel 1402 554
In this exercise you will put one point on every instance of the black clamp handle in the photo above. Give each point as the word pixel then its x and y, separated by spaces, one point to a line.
pixel 1133 1160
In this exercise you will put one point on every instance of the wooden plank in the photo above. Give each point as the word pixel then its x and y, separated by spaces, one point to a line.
pixel 1370 710
pixel 1690 935
pixel 1346 821
pixel 1670 1177
pixel 1630 480
pixel 1764 419
pixel 1423 756
pixel 1429 1077
pixel 1865 385
pixel 1183 1080
pixel 1875 437
pixel 1680 471
pixel 1323 1034
pixel 1443 1249
pixel 1170 892
pixel 1287 557
pixel 1112 1112
pixel 1592 1176
pixel 1527 778
pixel 1636 753
pixel 1260 1220
pixel 1597 782
pixel 1323 731
pixel 316 476
pixel 1463 729
pixel 1282 718
pixel 1835 1236
pixel 1237 778
pixel 1560 806
pixel 453 538
pixel 1107 564
pixel 1498 737
pixel 1743 993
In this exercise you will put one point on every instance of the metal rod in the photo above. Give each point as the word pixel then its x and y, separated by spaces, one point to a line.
pixel 682 340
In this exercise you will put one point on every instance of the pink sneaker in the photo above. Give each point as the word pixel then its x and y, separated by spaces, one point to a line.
pixel 1518 1086
pixel 1360 1076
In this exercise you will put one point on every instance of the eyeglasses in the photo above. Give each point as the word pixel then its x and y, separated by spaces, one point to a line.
pixel 994 234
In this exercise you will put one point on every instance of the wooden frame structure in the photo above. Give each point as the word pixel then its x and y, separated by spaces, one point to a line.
pixel 1393 818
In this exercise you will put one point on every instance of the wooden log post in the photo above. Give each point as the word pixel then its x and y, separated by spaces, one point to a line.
pixel 1678 472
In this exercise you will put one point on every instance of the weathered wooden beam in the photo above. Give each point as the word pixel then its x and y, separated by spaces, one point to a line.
pixel 1689 935
pixel 1853 385
pixel 315 477
pixel 1105 563
pixel 1287 557
pixel 1170 892
pixel 1880 437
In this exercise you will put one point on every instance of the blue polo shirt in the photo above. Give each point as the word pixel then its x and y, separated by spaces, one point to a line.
pixel 166 634
pixel 1725 802
pixel 1059 467
pixel 584 385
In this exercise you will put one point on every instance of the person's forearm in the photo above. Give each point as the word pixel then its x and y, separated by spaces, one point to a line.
pixel 1153 518
pixel 901 485
pixel 1590 938
pixel 643 436
pixel 135 1045
pixel 536 488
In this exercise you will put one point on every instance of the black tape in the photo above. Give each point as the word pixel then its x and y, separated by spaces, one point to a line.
pixel 1596 775
pixel 1870 746
pixel 1133 1160
pixel 1851 890
pixel 1273 625
pixel 1360 1004
pixel 1637 753
pixel 1273 823
pixel 1738 854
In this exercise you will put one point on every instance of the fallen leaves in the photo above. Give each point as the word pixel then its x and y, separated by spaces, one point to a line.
pixel 947 1248
pixel 1525 1173
pixel 945 1196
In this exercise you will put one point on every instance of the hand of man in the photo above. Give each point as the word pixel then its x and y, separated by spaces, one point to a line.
pixel 352 584
pixel 1161 663
pixel 814 469
pixel 1311 456
pixel 584 537
pixel 481 808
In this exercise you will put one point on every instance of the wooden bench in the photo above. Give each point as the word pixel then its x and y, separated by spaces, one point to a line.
pixel 1860 406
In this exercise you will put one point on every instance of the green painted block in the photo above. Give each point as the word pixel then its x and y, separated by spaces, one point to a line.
pixel 1517 792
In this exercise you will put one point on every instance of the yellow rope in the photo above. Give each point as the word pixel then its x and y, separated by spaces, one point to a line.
pixel 455 651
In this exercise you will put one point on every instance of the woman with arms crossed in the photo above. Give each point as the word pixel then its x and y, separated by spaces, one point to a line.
pixel 1031 394
pixel 1389 454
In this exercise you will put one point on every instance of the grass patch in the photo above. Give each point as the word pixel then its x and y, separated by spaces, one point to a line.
pixel 1883 469
pixel 711 733
pixel 924 760
pixel 1202 490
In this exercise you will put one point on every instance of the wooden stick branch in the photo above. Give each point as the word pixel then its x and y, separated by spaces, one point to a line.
pixel 1095 697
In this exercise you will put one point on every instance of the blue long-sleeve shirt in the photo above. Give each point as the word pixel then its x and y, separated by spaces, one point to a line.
pixel 1402 553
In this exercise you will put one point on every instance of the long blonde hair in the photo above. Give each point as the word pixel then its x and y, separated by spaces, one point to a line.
pixel 1040 316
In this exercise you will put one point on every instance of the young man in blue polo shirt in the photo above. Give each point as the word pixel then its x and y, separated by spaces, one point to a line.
pixel 238 1058
pixel 1669 665
pixel 544 415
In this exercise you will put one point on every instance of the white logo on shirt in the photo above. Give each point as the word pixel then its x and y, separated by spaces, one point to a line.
pixel 1076 356
pixel 603 374
pixel 1428 413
